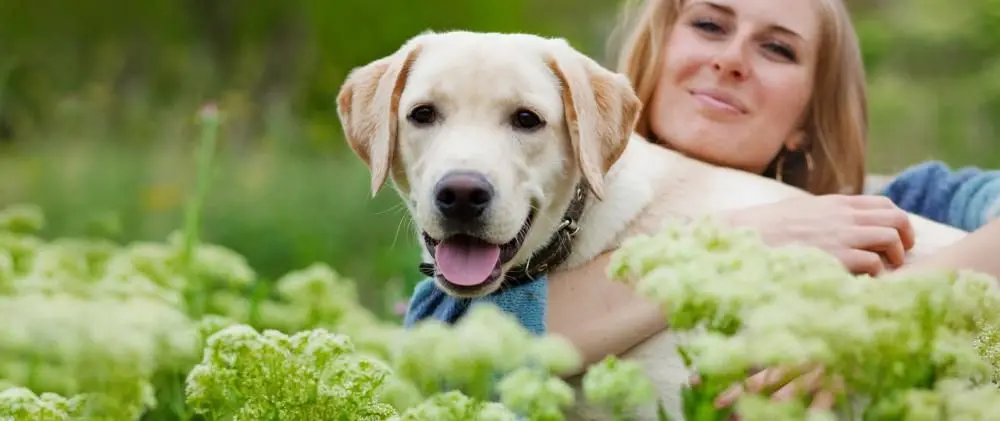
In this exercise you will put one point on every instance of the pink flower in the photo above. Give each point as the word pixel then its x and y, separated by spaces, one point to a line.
pixel 209 111
pixel 400 307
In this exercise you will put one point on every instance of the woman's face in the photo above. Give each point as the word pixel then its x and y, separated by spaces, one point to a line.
pixel 736 78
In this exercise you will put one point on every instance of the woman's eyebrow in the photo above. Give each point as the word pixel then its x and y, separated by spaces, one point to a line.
pixel 722 8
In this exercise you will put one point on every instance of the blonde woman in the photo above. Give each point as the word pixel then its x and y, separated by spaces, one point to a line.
pixel 772 87
pixel 777 88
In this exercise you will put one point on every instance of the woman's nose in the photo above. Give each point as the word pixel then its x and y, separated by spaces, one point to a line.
pixel 731 60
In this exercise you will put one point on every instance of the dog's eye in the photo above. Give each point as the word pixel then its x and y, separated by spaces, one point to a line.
pixel 424 114
pixel 527 120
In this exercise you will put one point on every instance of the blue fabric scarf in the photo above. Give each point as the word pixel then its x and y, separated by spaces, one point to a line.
pixel 527 302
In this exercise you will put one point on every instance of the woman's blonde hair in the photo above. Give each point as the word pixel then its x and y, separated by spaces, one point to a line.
pixel 836 116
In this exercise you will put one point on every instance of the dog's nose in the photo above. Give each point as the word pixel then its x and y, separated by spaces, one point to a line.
pixel 463 196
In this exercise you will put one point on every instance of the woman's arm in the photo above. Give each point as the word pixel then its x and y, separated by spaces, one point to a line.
pixel 977 252
pixel 599 316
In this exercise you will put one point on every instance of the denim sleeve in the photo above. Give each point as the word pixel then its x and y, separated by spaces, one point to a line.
pixel 966 198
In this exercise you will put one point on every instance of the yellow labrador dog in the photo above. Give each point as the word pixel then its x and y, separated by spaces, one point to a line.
pixel 516 152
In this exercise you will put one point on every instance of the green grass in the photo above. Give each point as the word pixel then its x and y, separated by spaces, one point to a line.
pixel 282 210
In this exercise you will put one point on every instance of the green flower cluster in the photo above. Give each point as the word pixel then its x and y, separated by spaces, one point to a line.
pixel 114 332
pixel 899 346
pixel 311 375
pixel 91 330
pixel 20 403
pixel 435 372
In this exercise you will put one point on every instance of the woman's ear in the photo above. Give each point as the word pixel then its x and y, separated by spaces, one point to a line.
pixel 796 141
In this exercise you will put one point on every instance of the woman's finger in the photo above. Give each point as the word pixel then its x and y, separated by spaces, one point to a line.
pixel 765 378
pixel 807 383
pixel 868 201
pixel 826 398
pixel 889 218
pixel 729 396
pixel 787 380
pixel 862 261
pixel 823 400
pixel 757 383
pixel 882 240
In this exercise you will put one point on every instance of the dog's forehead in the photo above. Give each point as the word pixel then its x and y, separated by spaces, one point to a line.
pixel 498 66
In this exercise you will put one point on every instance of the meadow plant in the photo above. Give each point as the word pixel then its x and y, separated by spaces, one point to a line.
pixel 182 329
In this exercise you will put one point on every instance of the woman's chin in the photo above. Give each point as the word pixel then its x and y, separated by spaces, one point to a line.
pixel 697 133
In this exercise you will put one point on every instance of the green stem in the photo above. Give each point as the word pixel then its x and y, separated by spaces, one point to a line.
pixel 259 293
pixel 5 70
pixel 192 216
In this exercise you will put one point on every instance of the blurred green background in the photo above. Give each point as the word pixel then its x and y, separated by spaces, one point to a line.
pixel 98 101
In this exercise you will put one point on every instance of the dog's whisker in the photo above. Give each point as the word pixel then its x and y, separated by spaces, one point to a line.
pixel 395 238
pixel 411 225
pixel 394 208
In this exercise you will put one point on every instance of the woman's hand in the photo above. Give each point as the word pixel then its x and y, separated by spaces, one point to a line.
pixel 784 384
pixel 864 232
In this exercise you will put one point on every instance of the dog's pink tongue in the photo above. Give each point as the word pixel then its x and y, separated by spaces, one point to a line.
pixel 466 263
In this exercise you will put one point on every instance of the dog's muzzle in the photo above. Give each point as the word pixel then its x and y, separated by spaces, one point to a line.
pixel 461 198
pixel 465 261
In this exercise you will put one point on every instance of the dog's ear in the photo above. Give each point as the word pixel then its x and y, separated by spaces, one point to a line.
pixel 368 105
pixel 601 111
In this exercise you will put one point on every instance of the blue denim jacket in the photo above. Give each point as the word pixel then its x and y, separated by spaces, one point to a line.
pixel 965 198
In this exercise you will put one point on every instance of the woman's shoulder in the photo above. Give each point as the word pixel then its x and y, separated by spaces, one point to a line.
pixel 965 197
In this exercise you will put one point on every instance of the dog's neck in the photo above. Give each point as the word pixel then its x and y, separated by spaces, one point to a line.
pixel 553 253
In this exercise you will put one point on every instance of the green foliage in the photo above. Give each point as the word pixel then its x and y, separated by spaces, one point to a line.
pixel 263 54
pixel 898 347
pixel 934 88
pixel 620 386
pixel 311 375
pixel 20 403
pixel 99 331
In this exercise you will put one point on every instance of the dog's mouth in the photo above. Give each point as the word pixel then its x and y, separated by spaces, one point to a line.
pixel 468 264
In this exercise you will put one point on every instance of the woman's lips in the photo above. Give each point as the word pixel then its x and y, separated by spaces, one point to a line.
pixel 719 100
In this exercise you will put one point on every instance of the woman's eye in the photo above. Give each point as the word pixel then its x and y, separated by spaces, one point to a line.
pixel 706 25
pixel 781 50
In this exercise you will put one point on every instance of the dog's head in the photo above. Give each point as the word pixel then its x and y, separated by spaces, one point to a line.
pixel 486 136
